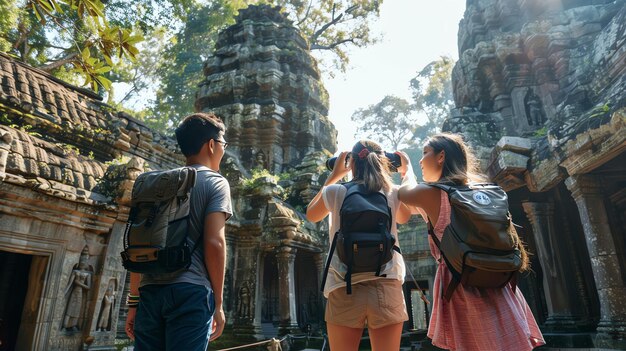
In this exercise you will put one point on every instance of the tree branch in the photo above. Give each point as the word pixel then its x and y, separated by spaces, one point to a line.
pixel 331 46
pixel 58 63
pixel 306 15
pixel 334 20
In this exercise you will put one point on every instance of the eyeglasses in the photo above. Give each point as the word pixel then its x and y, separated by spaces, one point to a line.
pixel 222 142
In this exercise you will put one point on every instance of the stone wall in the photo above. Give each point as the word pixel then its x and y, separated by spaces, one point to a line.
pixel 264 83
pixel 540 93
pixel 67 162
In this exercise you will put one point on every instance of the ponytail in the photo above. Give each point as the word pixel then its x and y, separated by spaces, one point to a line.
pixel 371 166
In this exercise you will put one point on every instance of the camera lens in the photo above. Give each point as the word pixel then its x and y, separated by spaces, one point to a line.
pixel 330 163
pixel 395 161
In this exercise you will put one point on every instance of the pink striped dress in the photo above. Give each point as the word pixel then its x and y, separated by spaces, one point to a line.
pixel 497 320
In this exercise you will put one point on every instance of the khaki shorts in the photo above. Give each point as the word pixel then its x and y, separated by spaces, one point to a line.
pixel 374 303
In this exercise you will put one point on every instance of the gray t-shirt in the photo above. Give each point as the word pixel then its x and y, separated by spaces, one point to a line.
pixel 210 194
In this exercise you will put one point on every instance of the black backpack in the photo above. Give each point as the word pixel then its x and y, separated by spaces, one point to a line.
pixel 364 242
pixel 480 245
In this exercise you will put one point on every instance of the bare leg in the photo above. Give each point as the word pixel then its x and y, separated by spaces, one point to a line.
pixel 344 338
pixel 386 338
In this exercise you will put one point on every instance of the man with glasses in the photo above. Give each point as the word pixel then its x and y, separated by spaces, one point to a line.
pixel 182 310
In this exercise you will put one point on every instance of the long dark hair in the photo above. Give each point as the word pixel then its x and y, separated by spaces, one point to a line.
pixel 371 167
pixel 460 167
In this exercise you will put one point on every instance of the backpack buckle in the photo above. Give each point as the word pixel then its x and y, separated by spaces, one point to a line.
pixel 380 247
pixel 355 248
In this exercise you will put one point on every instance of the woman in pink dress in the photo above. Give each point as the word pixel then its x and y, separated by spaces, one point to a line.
pixel 473 320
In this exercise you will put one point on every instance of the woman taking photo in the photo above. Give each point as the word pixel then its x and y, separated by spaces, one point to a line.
pixel 376 301
pixel 473 319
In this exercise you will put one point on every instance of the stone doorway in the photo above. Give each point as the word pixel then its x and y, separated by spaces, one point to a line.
pixel 21 285
pixel 269 309
pixel 308 295
pixel 419 314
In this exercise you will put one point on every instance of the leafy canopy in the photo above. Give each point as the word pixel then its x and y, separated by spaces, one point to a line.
pixel 398 123
pixel 69 38
pixel 157 47
pixel 329 25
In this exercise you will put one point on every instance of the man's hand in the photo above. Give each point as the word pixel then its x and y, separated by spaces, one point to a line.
pixel 130 323
pixel 219 320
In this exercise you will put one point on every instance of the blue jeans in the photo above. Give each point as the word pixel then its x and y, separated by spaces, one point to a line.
pixel 174 317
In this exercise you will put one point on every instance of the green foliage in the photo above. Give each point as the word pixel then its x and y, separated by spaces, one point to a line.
pixel 175 60
pixel 69 149
pixel 541 132
pixel 66 35
pixel 9 14
pixel 601 111
pixel 179 68
pixel 395 122
pixel 256 174
pixel 432 95
pixel 388 122
pixel 156 45
pixel 333 25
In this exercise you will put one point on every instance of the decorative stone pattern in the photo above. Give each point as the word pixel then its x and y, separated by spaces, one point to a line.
pixel 263 82
pixel 262 79
pixel 540 93
pixel 67 165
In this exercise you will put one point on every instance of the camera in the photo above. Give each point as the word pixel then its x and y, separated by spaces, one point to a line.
pixel 394 161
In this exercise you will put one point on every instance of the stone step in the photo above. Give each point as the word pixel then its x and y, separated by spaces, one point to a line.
pixel 269 330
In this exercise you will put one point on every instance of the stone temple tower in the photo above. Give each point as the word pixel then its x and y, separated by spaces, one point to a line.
pixel 263 81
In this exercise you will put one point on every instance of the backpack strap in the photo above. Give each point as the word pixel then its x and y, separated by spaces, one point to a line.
pixel 456 277
pixel 201 236
pixel 328 259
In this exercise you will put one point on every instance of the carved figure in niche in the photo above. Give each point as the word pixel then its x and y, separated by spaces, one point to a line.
pixel 260 160
pixel 108 301
pixel 77 289
pixel 534 112
pixel 243 305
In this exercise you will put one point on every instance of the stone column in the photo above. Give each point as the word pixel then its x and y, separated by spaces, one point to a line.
pixel 244 285
pixel 562 299
pixel 286 257
pixel 320 264
pixel 588 194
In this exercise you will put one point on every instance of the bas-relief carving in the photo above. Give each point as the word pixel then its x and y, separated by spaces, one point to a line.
pixel 106 309
pixel 261 160
pixel 244 301
pixel 534 113
pixel 77 292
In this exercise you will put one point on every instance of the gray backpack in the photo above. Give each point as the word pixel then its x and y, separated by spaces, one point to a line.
pixel 480 245
pixel 155 239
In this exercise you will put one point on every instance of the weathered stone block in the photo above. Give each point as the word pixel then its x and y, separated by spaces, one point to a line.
pixel 514 144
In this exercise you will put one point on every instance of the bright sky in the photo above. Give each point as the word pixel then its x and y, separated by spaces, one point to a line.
pixel 415 32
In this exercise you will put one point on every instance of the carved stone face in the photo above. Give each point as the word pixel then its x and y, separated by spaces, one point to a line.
pixel 83 261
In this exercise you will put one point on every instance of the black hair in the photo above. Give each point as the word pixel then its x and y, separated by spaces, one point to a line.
pixel 196 129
